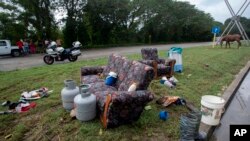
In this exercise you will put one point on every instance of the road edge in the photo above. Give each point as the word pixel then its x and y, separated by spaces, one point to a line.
pixel 228 96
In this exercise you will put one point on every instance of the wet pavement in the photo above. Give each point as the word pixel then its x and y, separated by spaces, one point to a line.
pixel 238 112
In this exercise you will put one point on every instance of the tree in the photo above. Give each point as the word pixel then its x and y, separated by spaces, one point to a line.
pixel 107 21
pixel 36 16
pixel 9 29
pixel 100 22
pixel 167 20
pixel 74 20
pixel 245 23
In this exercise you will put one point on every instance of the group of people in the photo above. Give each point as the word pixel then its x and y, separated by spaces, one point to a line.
pixel 26 46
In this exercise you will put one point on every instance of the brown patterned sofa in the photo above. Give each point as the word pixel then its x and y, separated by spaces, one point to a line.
pixel 163 67
pixel 115 105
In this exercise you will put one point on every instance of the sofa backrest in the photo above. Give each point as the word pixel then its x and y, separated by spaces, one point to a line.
pixel 119 65
pixel 128 72
pixel 149 53
pixel 138 73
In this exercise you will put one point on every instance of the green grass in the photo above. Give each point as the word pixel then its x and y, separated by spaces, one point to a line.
pixel 206 71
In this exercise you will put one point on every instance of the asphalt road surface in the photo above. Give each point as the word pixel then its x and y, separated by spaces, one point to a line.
pixel 8 63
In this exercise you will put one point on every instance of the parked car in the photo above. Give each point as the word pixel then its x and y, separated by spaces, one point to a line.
pixel 7 49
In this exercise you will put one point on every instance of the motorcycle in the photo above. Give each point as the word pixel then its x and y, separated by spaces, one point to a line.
pixel 55 53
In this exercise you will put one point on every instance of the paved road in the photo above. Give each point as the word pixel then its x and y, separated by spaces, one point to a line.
pixel 10 63
pixel 236 113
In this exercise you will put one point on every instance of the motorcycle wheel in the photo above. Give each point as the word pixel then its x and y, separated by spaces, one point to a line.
pixel 72 58
pixel 48 59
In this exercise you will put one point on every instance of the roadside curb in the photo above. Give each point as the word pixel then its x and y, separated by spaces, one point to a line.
pixel 228 96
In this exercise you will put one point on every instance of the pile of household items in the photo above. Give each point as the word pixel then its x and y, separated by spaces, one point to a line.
pixel 117 92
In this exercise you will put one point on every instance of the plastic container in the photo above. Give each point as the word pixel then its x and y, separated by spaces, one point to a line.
pixel 163 115
pixel 85 104
pixel 111 78
pixel 176 53
pixel 68 94
pixel 167 83
pixel 211 107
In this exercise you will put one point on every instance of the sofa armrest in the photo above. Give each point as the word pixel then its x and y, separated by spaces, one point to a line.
pixel 89 70
pixel 151 63
pixel 161 61
pixel 170 63
pixel 121 107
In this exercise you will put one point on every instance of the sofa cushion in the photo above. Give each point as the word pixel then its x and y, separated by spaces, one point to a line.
pixel 100 86
pixel 87 79
pixel 138 73
pixel 119 65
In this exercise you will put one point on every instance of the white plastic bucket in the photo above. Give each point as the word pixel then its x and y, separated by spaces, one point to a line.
pixel 211 107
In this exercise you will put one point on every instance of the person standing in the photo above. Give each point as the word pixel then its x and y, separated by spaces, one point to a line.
pixel 32 47
pixel 26 46
pixel 20 45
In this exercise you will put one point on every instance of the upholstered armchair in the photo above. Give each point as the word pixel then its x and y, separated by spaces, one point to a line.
pixel 162 66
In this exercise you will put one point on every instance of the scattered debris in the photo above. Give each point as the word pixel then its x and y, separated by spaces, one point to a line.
pixel 224 88
pixel 206 65
pixel 22 105
pixel 163 115
pixel 171 82
pixel 8 136
pixel 189 75
pixel 7 112
pixel 73 113
pixel 148 107
pixel 167 100
pixel 36 94
pixel 100 132
pixel 189 126
pixel 167 83
pixel 17 107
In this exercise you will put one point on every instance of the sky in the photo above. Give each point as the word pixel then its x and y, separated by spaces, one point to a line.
pixel 218 8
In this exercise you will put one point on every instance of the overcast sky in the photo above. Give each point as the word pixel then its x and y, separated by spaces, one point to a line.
pixel 218 8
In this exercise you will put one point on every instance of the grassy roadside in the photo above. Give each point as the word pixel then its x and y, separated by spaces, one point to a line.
pixel 206 71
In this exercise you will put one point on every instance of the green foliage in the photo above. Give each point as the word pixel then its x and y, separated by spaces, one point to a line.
pixel 74 29
pixel 28 19
pixel 109 22
pixel 206 70
pixel 9 29
pixel 245 23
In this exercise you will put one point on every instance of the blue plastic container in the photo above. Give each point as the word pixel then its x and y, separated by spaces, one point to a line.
pixel 110 80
